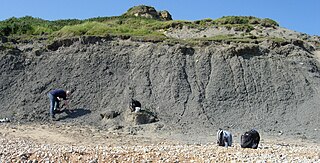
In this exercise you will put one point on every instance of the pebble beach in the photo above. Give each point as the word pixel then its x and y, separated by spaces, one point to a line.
pixel 19 145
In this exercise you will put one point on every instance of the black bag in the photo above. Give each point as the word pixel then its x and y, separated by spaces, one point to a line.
pixel 133 104
pixel 250 139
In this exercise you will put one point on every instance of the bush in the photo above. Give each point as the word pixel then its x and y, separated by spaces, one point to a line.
pixel 204 22
pixel 245 20
pixel 269 23
pixel 233 20
pixel 32 26
pixel 15 26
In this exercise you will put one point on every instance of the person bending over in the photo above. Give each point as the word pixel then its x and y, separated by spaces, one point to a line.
pixel 56 96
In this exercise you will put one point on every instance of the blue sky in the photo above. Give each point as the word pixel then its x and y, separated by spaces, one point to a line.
pixel 299 15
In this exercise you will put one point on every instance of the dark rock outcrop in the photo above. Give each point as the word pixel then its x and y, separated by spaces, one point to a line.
pixel 3 39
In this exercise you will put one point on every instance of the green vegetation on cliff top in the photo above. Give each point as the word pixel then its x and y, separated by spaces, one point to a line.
pixel 30 27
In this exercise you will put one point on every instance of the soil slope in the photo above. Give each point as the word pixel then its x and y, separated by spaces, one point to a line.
pixel 270 86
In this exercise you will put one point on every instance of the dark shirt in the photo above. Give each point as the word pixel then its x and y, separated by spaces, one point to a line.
pixel 59 93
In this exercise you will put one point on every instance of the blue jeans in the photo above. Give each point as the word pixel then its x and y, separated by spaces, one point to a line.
pixel 54 104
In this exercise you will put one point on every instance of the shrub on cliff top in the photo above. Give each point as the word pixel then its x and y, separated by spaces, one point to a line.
pixel 32 26
pixel 245 20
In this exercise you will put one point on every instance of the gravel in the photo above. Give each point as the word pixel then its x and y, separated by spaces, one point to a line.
pixel 18 148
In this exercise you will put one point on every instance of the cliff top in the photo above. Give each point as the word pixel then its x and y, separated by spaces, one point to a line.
pixel 148 24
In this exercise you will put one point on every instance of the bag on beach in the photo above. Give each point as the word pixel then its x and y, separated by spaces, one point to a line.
pixel 224 138
pixel 134 105
pixel 250 139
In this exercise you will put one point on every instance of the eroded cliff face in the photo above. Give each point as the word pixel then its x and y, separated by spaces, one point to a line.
pixel 268 86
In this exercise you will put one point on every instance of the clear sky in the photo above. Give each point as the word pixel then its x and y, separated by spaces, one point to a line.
pixel 299 15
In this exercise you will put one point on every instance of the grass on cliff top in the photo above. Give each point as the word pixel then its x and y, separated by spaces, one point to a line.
pixel 121 26
pixel 29 27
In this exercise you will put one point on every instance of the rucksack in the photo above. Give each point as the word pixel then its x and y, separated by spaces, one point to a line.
pixel 224 138
pixel 250 139
pixel 133 104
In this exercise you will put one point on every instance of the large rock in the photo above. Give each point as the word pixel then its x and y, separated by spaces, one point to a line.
pixel 109 114
pixel 142 117
pixel 148 12
pixel 165 15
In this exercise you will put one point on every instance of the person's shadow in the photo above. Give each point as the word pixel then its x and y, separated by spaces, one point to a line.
pixel 75 113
